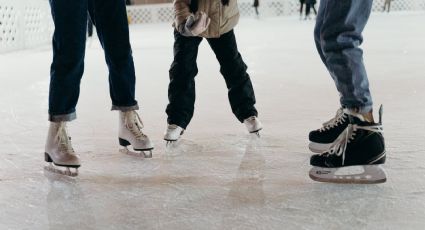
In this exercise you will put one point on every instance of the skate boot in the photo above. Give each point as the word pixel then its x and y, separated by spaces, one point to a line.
pixel 173 133
pixel 59 152
pixel 322 139
pixel 130 133
pixel 253 125
pixel 360 144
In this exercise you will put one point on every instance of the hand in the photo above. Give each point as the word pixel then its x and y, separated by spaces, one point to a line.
pixel 195 25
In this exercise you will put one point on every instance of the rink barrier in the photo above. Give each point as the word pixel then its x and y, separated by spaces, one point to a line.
pixel 27 23
pixel 24 24
pixel 268 8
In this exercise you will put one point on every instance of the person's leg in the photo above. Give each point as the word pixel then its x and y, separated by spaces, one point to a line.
pixel 110 19
pixel 340 38
pixel 70 19
pixel 232 67
pixel 301 7
pixel 181 90
pixel 69 40
pixel 307 10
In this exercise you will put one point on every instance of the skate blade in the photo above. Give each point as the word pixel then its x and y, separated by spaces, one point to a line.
pixel 256 133
pixel 368 174
pixel 170 144
pixel 144 154
pixel 62 170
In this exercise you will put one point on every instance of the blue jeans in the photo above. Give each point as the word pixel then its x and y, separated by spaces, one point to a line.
pixel 69 43
pixel 338 35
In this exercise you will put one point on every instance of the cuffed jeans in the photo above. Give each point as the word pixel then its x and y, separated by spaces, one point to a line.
pixel 69 41
pixel 181 90
pixel 338 35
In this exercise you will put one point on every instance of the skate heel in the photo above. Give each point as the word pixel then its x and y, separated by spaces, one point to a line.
pixel 47 158
pixel 123 142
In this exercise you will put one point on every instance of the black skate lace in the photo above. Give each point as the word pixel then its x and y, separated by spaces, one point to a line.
pixel 65 144
pixel 339 118
pixel 134 123
pixel 339 146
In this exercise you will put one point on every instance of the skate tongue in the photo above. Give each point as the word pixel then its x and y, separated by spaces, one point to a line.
pixel 381 111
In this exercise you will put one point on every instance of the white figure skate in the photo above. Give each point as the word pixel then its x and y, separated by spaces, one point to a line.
pixel 253 125
pixel 59 152
pixel 173 133
pixel 130 133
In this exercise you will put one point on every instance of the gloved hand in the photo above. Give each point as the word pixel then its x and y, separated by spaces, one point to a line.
pixel 194 25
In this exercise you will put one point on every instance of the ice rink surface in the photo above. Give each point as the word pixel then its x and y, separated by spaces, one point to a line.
pixel 217 176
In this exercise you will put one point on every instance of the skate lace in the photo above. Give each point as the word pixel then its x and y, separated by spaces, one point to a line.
pixel 134 123
pixel 65 144
pixel 339 146
pixel 339 118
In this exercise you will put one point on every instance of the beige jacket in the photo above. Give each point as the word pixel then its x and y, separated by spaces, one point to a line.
pixel 223 18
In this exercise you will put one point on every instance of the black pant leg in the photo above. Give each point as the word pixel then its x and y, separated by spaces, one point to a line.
pixel 69 43
pixel 110 19
pixel 232 67
pixel 181 90
pixel 307 9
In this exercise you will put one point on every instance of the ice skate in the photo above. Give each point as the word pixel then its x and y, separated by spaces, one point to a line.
pixel 173 133
pixel 253 125
pixel 130 133
pixel 360 146
pixel 59 152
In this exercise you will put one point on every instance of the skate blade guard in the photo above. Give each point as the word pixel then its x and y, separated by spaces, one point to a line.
pixel 367 174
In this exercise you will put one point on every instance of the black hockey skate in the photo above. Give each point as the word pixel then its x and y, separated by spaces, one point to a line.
pixel 321 139
pixel 360 144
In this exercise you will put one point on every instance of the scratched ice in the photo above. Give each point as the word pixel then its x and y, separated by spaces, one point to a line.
pixel 217 177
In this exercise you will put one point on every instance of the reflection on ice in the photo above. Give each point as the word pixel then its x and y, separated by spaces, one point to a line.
pixel 67 207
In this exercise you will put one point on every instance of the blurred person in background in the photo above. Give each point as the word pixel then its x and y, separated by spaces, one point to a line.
pixel 308 5
pixel 302 2
pixel 387 6
pixel 256 5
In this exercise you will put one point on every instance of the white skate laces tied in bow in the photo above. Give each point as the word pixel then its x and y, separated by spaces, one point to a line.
pixel 133 123
pixel 339 146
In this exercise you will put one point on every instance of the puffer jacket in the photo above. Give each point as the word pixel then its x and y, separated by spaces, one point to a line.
pixel 223 17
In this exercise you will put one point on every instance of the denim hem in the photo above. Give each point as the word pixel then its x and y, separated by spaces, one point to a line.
pixel 125 108
pixel 63 117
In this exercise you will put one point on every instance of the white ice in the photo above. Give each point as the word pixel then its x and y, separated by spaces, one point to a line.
pixel 217 177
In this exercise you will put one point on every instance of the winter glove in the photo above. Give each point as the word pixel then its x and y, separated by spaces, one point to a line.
pixel 194 25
